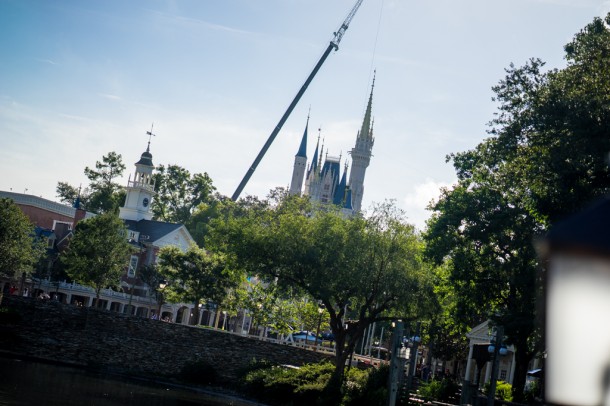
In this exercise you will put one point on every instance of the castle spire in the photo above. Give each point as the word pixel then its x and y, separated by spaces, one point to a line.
pixel 366 131
pixel 361 155
pixel 303 147
pixel 300 163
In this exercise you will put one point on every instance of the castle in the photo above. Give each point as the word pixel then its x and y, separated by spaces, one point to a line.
pixel 324 182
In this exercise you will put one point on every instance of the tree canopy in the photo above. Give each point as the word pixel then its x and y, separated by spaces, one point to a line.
pixel 18 251
pixel 178 193
pixel 103 194
pixel 196 276
pixel 98 253
pixel 545 159
pixel 360 270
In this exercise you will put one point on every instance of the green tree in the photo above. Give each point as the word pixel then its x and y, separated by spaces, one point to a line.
pixel 179 194
pixel 98 253
pixel 103 194
pixel 361 270
pixel 196 276
pixel 18 252
pixel 545 159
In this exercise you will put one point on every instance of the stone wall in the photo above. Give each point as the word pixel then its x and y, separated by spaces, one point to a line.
pixel 97 338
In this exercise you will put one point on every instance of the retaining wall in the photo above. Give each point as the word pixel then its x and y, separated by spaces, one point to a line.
pixel 84 336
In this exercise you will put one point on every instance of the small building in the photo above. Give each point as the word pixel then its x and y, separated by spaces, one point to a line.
pixel 56 222
pixel 479 362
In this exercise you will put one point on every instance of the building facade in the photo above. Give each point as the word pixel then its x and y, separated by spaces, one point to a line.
pixel 56 222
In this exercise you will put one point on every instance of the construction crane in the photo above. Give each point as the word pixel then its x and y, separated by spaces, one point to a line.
pixel 334 44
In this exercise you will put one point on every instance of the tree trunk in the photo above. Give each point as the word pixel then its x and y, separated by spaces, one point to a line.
pixel 522 358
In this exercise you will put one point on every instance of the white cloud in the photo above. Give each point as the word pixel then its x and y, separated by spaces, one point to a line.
pixel 419 198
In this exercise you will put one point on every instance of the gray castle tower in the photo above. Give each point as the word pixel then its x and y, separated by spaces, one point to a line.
pixel 361 155
pixel 300 164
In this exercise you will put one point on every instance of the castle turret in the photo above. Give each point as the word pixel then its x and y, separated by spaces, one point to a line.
pixel 361 155
pixel 300 164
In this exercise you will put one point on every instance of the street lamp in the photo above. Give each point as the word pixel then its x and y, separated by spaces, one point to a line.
pixel 162 286
pixel 320 311
pixel 396 366
pixel 496 348
pixel 576 255
pixel 413 357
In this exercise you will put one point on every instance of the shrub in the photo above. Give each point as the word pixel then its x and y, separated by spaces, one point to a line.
pixel 439 390
pixel 366 387
pixel 503 390
pixel 283 385
pixel 280 385
pixel 199 372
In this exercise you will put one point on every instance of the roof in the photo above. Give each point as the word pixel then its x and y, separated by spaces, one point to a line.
pixel 586 231
pixel 154 230
pixel 303 148
pixel 145 159
pixel 42 203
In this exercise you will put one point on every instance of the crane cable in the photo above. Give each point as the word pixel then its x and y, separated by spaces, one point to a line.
pixel 371 69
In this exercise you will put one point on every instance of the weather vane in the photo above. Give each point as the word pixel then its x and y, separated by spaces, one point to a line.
pixel 150 135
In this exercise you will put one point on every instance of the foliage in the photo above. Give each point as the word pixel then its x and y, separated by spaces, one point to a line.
pixel 98 253
pixel 103 194
pixel 283 311
pixel 545 159
pixel 280 385
pixel 443 390
pixel 533 392
pixel 503 390
pixel 199 372
pixel 361 270
pixel 178 193
pixel 196 276
pixel 18 253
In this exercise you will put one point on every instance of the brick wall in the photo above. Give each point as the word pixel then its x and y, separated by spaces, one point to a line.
pixel 84 336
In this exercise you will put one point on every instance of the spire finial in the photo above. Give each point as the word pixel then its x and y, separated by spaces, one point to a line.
pixel 365 130
pixel 321 153
pixel 150 135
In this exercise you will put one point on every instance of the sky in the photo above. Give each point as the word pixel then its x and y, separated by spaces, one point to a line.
pixel 79 79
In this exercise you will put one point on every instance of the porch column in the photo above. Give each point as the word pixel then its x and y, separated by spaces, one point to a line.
pixel 466 386
pixel 511 375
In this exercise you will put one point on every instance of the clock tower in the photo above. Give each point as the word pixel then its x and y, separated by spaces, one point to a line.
pixel 140 190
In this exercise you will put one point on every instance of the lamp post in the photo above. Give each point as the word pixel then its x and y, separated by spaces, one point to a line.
pixel 413 357
pixel 320 311
pixel 495 348
pixel 395 364
pixel 162 286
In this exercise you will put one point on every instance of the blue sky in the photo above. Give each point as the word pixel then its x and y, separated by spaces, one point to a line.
pixel 80 79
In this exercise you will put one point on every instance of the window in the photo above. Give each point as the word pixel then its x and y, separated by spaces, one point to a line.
pixel 503 375
pixel 61 225
pixel 133 265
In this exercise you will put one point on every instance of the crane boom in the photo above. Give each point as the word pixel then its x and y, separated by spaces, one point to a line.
pixel 334 44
